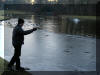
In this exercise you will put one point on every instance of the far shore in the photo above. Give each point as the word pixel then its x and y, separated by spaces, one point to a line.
pixel 2 17
pixel 3 69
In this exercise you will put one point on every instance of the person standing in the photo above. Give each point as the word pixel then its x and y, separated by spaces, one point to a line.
pixel 17 42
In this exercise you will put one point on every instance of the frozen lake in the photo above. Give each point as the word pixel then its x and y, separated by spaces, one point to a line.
pixel 55 47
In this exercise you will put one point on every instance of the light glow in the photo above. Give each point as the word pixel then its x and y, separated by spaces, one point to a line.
pixel 53 0
pixel 33 1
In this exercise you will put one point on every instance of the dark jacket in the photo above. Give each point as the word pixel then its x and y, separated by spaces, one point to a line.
pixel 18 35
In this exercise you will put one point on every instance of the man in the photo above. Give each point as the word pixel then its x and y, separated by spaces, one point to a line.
pixel 17 41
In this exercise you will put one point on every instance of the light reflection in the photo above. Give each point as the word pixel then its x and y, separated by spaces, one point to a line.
pixel 49 25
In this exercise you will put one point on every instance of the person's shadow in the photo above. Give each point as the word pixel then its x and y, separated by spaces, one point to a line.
pixel 16 73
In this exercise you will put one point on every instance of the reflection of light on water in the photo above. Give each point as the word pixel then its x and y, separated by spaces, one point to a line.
pixel 2 41
pixel 76 20
pixel 49 25
pixel 33 19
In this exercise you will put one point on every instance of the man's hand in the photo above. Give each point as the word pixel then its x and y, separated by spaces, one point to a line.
pixel 34 29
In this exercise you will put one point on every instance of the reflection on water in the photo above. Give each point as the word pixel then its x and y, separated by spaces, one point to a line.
pixel 62 24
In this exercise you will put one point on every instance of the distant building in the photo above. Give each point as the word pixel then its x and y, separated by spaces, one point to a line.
pixel 45 1
pixel 51 1
pixel 77 1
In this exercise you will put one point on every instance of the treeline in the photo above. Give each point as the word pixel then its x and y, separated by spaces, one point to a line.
pixel 79 9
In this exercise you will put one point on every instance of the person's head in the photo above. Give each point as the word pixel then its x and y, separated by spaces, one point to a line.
pixel 20 21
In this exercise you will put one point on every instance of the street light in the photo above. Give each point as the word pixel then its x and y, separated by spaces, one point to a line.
pixel 53 0
pixel 33 1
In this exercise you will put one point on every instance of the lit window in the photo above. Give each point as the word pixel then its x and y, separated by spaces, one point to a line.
pixel 52 0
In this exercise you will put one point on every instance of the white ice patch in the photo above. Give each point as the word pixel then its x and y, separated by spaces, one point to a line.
pixel 2 39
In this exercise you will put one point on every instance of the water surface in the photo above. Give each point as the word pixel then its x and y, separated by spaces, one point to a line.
pixel 61 45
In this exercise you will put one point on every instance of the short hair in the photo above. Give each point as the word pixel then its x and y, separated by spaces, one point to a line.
pixel 20 21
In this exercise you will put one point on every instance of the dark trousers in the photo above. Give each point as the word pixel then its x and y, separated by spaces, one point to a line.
pixel 16 57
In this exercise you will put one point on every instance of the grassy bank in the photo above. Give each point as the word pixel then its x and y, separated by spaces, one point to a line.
pixel 3 69
pixel 16 12
pixel 2 12
pixel 85 17
pixel 2 17
pixel 1 65
pixel 81 17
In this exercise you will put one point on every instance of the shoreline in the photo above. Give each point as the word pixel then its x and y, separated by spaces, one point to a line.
pixel 3 69
pixel 16 12
pixel 3 18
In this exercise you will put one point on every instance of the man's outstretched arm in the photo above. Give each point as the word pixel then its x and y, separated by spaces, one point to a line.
pixel 29 31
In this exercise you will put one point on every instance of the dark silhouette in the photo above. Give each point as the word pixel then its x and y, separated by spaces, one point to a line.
pixel 18 41
pixel 16 73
